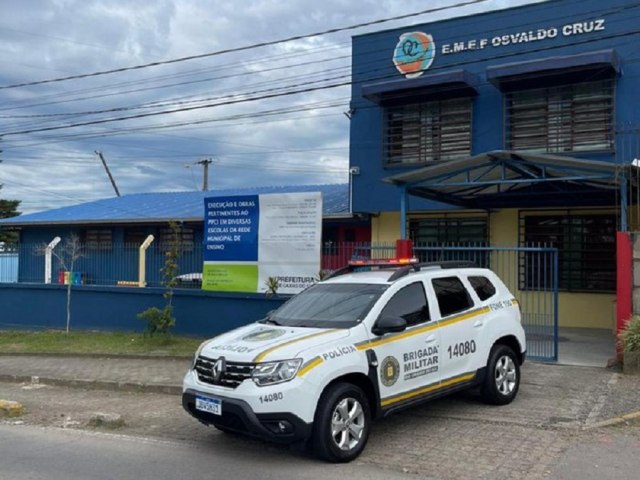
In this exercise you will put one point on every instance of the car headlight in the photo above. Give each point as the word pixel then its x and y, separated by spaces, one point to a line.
pixel 271 373
pixel 197 354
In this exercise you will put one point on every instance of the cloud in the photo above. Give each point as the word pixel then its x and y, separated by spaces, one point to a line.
pixel 292 139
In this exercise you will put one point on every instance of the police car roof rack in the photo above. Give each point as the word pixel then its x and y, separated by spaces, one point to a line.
pixel 430 265
pixel 402 269
pixel 377 263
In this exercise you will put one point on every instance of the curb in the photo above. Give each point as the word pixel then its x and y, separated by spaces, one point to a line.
pixel 614 421
pixel 131 356
pixel 96 385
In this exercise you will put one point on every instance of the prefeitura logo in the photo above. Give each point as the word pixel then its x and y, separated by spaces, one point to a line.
pixel 414 53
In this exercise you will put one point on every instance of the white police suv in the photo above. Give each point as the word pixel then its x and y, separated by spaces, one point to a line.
pixel 356 347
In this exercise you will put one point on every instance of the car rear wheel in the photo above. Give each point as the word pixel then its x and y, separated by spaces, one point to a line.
pixel 502 379
pixel 342 423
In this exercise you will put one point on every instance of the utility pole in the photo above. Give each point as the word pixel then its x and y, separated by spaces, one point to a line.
pixel 205 179
pixel 104 163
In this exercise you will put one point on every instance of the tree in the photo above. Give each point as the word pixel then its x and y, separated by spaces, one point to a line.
pixel 8 208
pixel 161 321
pixel 67 255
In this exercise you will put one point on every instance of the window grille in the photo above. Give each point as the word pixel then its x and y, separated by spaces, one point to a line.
pixel 586 251
pixel 185 236
pixel 428 234
pixel 568 118
pixel 98 239
pixel 427 132
pixel 452 231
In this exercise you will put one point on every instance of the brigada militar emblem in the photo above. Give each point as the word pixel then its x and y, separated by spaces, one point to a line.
pixel 262 334
pixel 389 371
pixel 414 53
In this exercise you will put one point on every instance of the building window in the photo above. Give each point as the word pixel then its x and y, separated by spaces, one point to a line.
pixel 586 252
pixel 568 118
pixel 133 237
pixel 185 236
pixel 428 132
pixel 453 231
pixel 98 239
pixel 441 239
pixel 330 241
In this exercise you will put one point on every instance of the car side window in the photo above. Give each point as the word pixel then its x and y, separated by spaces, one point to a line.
pixel 452 295
pixel 410 303
pixel 483 287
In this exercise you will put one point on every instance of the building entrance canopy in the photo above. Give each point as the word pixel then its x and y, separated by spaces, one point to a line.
pixel 516 179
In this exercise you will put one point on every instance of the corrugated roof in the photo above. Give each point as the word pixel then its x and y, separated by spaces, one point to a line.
pixel 164 206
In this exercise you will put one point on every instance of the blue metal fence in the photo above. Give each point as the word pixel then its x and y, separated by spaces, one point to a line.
pixel 8 267
pixel 530 273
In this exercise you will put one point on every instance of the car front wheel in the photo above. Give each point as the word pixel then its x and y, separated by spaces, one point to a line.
pixel 342 423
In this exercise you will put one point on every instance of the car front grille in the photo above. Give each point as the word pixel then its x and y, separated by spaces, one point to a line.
pixel 235 372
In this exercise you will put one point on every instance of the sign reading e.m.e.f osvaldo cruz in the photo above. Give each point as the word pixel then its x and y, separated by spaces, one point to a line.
pixel 251 238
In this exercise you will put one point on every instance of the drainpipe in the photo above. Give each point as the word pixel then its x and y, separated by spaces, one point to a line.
pixel 142 261
pixel 352 171
pixel 624 200
pixel 403 212
pixel 48 251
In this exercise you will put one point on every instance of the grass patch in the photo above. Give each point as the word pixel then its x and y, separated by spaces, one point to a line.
pixel 116 343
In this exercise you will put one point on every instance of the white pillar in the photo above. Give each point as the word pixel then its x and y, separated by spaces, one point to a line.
pixel 47 259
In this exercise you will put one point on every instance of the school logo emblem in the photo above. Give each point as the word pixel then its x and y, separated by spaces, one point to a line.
pixel 261 335
pixel 414 53
pixel 389 371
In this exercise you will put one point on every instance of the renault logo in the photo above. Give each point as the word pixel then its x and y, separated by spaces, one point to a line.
pixel 218 369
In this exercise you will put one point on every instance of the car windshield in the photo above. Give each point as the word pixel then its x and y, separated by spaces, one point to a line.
pixel 328 305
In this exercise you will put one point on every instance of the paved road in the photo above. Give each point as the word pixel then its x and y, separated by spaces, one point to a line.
pixel 48 454
pixel 550 431
pixel 611 453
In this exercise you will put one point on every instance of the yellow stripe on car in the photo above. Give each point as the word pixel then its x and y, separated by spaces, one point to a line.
pixel 261 356
pixel 417 331
pixel 429 389
pixel 310 365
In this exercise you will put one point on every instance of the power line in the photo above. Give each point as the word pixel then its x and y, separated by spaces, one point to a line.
pixel 246 47
pixel 302 90
pixel 154 104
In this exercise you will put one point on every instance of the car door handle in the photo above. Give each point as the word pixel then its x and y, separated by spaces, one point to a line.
pixel 430 339
pixel 478 323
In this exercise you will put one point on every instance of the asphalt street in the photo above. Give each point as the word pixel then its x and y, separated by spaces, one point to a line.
pixel 52 454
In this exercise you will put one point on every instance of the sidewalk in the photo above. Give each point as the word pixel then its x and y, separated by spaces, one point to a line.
pixel 558 395
pixel 156 375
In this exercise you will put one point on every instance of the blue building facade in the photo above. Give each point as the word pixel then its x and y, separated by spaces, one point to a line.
pixel 482 59
pixel 505 128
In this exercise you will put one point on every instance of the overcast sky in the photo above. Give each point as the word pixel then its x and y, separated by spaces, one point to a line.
pixel 299 138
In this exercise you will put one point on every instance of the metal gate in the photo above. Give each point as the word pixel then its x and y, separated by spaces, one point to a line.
pixel 531 273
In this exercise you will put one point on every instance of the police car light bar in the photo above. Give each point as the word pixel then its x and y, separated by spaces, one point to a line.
pixel 383 262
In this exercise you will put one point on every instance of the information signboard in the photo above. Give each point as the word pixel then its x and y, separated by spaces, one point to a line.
pixel 251 238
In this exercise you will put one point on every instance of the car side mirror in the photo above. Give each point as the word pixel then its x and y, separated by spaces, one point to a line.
pixel 389 325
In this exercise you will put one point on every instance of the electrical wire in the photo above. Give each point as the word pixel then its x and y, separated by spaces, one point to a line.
pixel 247 47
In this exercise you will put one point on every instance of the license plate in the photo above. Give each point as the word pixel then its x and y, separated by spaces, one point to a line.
pixel 209 405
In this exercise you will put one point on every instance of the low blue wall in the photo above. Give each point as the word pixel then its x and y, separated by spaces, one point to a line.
pixel 198 313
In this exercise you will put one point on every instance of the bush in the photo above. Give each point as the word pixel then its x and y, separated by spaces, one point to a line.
pixel 630 336
pixel 158 321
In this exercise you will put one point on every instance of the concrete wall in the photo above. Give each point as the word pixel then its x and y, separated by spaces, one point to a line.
pixel 197 312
